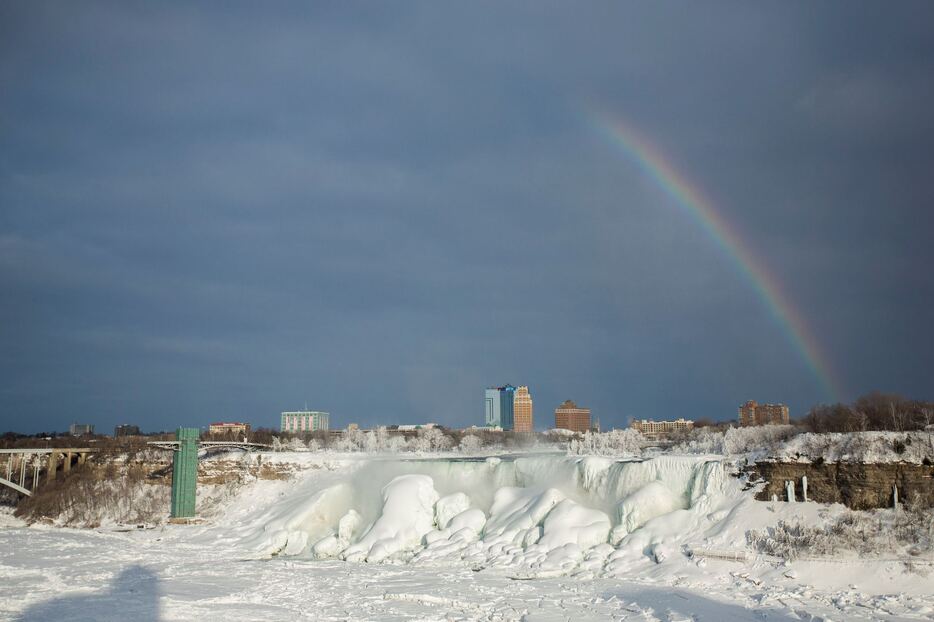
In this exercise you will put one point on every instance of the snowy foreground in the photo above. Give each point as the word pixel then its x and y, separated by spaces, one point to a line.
pixel 532 538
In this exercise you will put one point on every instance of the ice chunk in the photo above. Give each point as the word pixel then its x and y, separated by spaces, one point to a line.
pixel 516 509
pixel 407 515
pixel 296 543
pixel 653 499
pixel 473 519
pixel 660 552
pixel 347 526
pixel 331 545
pixel 450 506
pixel 570 522
pixel 566 557
pixel 306 520
pixel 328 546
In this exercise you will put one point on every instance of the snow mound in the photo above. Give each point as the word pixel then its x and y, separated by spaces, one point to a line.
pixel 305 520
pixel 450 506
pixel 570 523
pixel 408 514
pixel 518 510
pixel 653 499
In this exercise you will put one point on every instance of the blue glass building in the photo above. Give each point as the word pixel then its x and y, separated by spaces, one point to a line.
pixel 498 407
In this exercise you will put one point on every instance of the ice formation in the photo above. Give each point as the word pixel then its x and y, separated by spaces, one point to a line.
pixel 532 515
pixel 408 514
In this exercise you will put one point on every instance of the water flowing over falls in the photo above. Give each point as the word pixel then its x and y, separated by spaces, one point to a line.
pixel 534 515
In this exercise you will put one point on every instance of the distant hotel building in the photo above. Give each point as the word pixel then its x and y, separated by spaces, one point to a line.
pixel 81 429
pixel 229 427
pixel 499 407
pixel 126 429
pixel 523 410
pixel 304 421
pixel 661 428
pixel 753 413
pixel 569 417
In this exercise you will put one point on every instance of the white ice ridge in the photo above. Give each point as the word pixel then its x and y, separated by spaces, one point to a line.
pixel 541 514
pixel 408 514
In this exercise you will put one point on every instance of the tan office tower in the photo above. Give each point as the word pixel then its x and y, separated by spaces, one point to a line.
pixel 522 410
pixel 569 417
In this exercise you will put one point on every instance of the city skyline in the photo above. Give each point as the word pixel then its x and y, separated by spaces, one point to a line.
pixel 659 213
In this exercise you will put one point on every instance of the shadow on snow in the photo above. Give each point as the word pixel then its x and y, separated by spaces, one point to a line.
pixel 133 595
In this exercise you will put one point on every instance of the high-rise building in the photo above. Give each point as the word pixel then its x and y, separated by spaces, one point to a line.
pixel 753 413
pixel 523 410
pixel 569 417
pixel 498 407
pixel 304 421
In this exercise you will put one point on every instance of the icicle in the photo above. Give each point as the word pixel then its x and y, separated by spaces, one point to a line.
pixel 804 488
pixel 895 497
pixel 774 498
pixel 790 491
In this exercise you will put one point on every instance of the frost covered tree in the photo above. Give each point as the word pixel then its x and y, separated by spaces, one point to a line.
pixel 351 440
pixel 614 442
pixel 470 443
pixel 313 445
pixel 382 438
pixel 296 444
pixel 396 444
pixel 429 439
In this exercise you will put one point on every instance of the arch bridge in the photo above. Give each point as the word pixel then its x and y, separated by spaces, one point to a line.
pixel 25 466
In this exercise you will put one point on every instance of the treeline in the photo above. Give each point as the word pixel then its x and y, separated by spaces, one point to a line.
pixel 342 440
pixel 12 440
pixel 875 411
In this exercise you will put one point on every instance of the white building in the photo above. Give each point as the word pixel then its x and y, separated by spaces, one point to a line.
pixel 661 428
pixel 416 426
pixel 304 421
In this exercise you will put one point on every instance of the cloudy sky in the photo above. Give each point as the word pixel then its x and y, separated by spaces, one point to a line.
pixel 380 209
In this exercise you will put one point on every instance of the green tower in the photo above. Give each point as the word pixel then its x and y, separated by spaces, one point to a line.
pixel 185 473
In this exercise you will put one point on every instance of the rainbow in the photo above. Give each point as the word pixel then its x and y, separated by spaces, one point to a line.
pixel 689 197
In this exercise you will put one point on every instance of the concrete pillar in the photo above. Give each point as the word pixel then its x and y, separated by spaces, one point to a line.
pixel 9 468
pixel 185 473
pixel 67 465
pixel 53 464
pixel 82 457
pixel 22 470
pixel 35 474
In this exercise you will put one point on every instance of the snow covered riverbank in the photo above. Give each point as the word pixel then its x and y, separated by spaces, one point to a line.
pixel 537 537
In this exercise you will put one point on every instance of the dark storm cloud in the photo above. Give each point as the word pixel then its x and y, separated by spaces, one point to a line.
pixel 222 212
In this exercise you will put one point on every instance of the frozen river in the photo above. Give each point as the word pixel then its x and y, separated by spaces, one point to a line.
pixel 67 574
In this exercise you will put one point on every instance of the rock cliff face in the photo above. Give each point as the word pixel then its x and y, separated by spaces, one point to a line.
pixel 117 489
pixel 858 486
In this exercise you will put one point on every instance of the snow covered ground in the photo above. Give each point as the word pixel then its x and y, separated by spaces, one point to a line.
pixel 532 538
